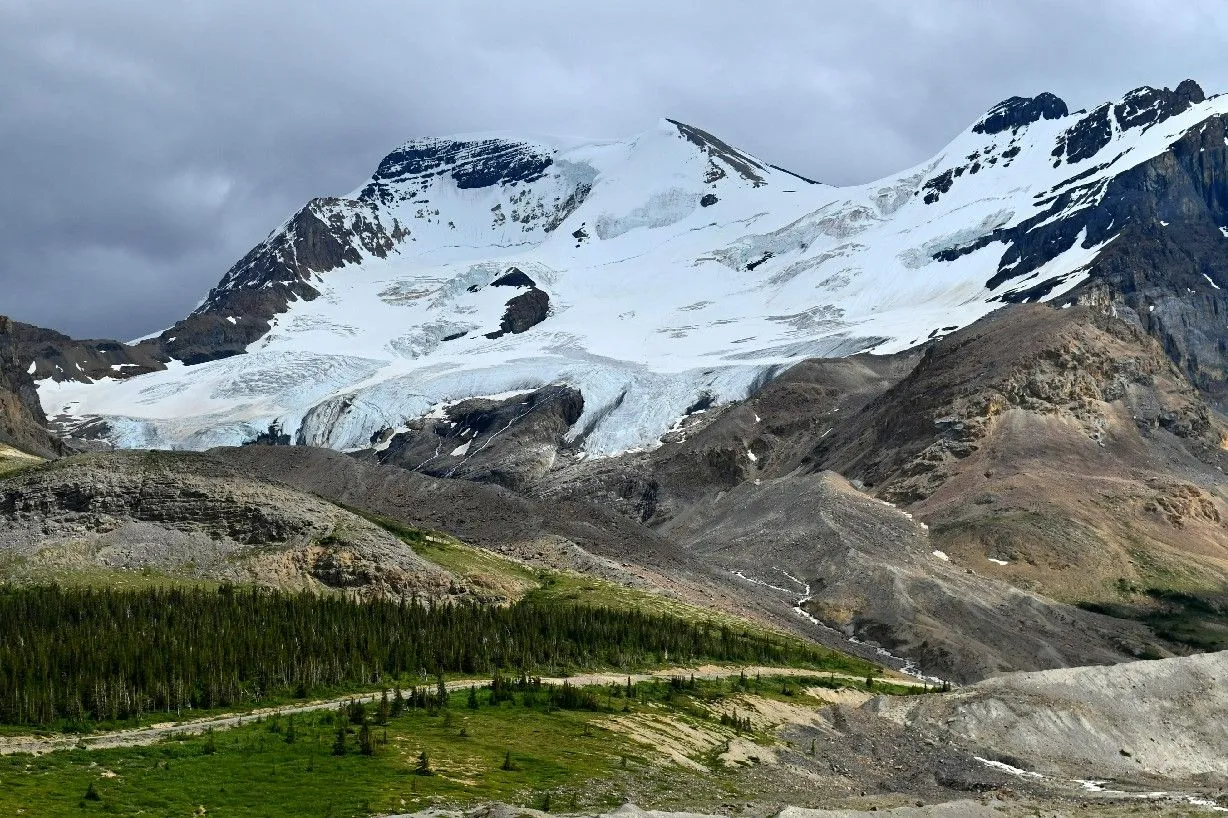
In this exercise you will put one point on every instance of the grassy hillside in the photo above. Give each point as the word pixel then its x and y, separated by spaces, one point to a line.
pixel 593 751
pixel 12 460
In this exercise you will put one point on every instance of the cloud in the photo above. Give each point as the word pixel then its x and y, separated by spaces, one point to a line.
pixel 146 146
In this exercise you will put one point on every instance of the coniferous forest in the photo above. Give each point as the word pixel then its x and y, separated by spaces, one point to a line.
pixel 82 656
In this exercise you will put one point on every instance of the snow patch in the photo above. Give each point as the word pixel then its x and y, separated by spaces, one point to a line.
pixel 1007 768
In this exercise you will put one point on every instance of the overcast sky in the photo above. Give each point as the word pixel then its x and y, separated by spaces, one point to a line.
pixel 146 145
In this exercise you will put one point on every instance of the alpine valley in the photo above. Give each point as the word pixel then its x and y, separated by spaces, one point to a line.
pixel 966 423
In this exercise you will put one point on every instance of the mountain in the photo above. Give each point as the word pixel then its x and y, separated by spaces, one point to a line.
pixel 669 271
pixel 967 419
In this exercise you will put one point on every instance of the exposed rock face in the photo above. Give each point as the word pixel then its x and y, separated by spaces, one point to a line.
pixel 524 312
pixel 326 234
pixel 47 354
pixel 721 152
pixel 511 442
pixel 471 164
pixel 188 516
pixel 1059 449
pixel 1140 108
pixel 1071 363
pixel 22 423
pixel 1019 112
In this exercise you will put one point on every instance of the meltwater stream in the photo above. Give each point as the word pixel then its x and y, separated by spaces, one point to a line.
pixel 900 663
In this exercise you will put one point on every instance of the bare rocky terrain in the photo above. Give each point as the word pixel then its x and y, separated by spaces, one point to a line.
pixel 1166 719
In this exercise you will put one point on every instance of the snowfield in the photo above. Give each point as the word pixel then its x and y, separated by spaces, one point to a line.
pixel 675 267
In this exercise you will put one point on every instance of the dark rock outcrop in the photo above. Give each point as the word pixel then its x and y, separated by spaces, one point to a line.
pixel 523 312
pixel 1141 108
pixel 1019 112
pixel 510 443
pixel 514 277
pixel 22 423
pixel 47 354
pixel 471 164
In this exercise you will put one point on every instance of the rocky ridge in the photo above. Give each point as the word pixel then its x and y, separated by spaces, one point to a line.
pixel 195 519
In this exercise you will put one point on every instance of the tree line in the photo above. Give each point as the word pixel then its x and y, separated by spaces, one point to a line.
pixel 82 656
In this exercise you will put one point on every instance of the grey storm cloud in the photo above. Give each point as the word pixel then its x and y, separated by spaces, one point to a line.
pixel 146 145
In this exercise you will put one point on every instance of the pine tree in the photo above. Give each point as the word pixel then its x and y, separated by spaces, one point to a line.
pixel 366 745
pixel 473 697
pixel 215 648
pixel 423 766
pixel 507 761
pixel 91 793
pixel 291 733
pixel 384 708
pixel 339 742
pixel 398 703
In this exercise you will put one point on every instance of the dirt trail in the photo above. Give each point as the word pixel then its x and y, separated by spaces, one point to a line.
pixel 139 736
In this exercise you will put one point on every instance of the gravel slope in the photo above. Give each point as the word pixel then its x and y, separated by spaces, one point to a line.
pixel 1167 718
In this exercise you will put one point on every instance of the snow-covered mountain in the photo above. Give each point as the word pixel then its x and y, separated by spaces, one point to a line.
pixel 652 274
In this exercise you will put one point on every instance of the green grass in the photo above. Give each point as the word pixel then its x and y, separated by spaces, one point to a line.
pixel 253 770
pixel 1197 620
pixel 22 571
pixel 14 460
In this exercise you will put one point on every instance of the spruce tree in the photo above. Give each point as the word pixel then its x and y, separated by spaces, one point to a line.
pixel 384 708
pixel 339 742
